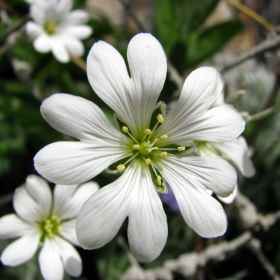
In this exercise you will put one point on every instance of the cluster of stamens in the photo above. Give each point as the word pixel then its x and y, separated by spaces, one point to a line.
pixel 50 226
pixel 149 149
pixel 50 27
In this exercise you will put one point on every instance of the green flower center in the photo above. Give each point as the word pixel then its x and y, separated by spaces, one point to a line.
pixel 50 27
pixel 148 149
pixel 50 227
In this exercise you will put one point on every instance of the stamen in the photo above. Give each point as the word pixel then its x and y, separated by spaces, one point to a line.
pixel 159 180
pixel 154 148
pixel 209 153
pixel 124 129
pixel 148 161
pixel 130 159
pixel 136 147
pixel 132 138
pixel 163 154
pixel 153 142
pixel 154 169
pixel 181 149
pixel 121 167
pixel 160 118
pixel 147 131
pixel 163 137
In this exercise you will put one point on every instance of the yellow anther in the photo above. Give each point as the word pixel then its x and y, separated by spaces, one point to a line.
pixel 163 154
pixel 121 167
pixel 136 147
pixel 209 153
pixel 181 149
pixel 164 136
pixel 160 118
pixel 124 129
pixel 158 180
pixel 147 131
pixel 148 161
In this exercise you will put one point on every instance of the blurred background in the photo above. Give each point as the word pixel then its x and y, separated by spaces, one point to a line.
pixel 192 33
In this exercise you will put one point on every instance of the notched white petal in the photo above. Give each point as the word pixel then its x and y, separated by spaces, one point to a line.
pixel 189 178
pixel 147 224
pixel 41 193
pixel 104 212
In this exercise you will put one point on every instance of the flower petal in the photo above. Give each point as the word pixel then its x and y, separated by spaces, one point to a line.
pixel 229 199
pixel 132 99
pixel 38 11
pixel 147 227
pixel 218 124
pixel 76 17
pixel 21 250
pixel 63 7
pixel 12 226
pixel 237 152
pixel 50 262
pixel 74 46
pixel 77 31
pixel 74 162
pixel 201 90
pixel 104 212
pixel 206 172
pixel 62 195
pixel 80 118
pixel 71 259
pixel 189 177
pixel 42 43
pixel 33 29
pixel 41 193
pixel 59 50
pixel 68 206
pixel 69 232
pixel 148 68
pixel 25 206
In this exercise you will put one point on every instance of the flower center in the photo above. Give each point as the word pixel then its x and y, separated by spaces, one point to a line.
pixel 50 227
pixel 50 27
pixel 149 149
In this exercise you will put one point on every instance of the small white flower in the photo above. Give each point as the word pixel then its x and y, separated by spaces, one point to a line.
pixel 47 222
pixel 235 151
pixel 56 29
pixel 147 145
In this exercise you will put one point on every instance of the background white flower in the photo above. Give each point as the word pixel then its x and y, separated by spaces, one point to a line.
pixel 236 152
pixel 147 145
pixel 57 29
pixel 47 222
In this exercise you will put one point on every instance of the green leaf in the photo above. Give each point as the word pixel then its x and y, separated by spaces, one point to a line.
pixel 175 19
pixel 165 24
pixel 203 44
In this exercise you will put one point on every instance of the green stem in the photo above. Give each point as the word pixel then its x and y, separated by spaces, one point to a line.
pixel 261 114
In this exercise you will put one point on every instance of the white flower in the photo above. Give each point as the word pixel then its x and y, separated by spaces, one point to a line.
pixel 148 146
pixel 235 151
pixel 47 222
pixel 57 29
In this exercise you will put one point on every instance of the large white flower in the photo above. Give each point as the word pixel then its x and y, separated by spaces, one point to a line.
pixel 148 146
pixel 47 222
pixel 56 29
